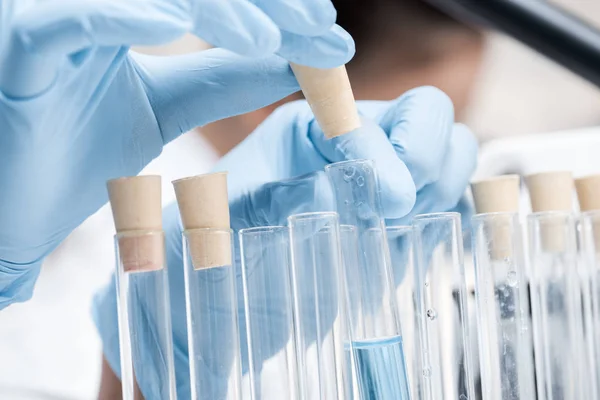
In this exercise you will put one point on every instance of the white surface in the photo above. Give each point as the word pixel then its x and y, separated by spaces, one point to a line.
pixel 49 348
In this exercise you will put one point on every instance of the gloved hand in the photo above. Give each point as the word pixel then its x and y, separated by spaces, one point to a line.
pixel 421 155
pixel 77 108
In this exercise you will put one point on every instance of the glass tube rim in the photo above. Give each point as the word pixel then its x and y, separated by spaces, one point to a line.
pixel 448 215
pixel 590 214
pixel 256 230
pixel 139 232
pixel 543 215
pixel 348 228
pixel 491 215
pixel 399 228
pixel 309 216
pixel 339 164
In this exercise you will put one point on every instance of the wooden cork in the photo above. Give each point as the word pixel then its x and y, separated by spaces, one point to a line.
pixel 330 97
pixel 137 214
pixel 551 191
pixel 588 194
pixel 498 195
pixel 204 204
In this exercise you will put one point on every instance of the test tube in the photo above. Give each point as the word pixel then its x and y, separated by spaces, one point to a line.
pixel 319 305
pixel 142 289
pixel 375 333
pixel 441 308
pixel 400 243
pixel 588 193
pixel 501 292
pixel 561 371
pixel 210 289
pixel 266 274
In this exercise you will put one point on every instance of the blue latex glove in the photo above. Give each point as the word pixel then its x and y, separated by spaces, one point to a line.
pixel 420 153
pixel 77 108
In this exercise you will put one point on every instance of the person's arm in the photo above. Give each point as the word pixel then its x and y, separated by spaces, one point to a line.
pixel 110 385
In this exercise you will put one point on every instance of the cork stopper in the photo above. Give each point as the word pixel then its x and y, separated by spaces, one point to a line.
pixel 137 214
pixel 330 97
pixel 588 194
pixel 499 194
pixel 204 204
pixel 551 191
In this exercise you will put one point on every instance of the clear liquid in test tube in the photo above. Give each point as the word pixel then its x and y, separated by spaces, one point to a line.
pixel 502 303
pixel 375 347
pixel 269 305
pixel 556 307
pixel 441 308
pixel 212 314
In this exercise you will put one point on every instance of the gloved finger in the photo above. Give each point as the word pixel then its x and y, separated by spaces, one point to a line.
pixel 217 82
pixel 43 35
pixel 236 25
pixel 420 124
pixel 332 49
pixel 303 17
pixel 371 142
pixel 272 203
pixel 458 167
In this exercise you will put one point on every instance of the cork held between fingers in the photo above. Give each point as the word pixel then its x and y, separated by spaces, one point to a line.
pixel 499 194
pixel 552 191
pixel 137 213
pixel 204 207
pixel 329 94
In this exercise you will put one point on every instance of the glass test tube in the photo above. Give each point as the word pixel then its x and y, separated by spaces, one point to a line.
pixel 502 304
pixel 144 316
pixel 376 336
pixel 590 244
pixel 556 307
pixel 319 305
pixel 266 274
pixel 400 243
pixel 441 308
pixel 212 317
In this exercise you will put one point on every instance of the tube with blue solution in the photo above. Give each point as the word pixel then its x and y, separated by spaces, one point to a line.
pixel 269 308
pixel 375 345
pixel 445 336
pixel 400 243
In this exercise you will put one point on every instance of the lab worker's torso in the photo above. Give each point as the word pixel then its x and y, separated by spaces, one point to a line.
pixel 49 348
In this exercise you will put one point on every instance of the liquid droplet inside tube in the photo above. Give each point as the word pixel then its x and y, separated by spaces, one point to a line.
pixel 349 173
pixel 360 181
pixel 431 314
pixel 512 279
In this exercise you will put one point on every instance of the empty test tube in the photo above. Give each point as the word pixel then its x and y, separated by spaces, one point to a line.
pixel 400 243
pixel 561 371
pixel 210 290
pixel 271 338
pixel 376 336
pixel 441 308
pixel 501 292
pixel 588 193
pixel 142 289
pixel 319 304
